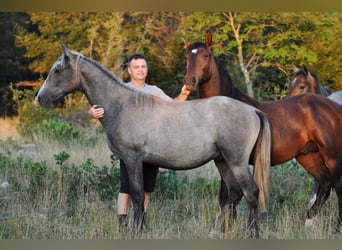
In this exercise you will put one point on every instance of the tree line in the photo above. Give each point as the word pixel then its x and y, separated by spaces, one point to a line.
pixel 258 48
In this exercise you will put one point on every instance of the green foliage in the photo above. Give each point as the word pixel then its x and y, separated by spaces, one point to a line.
pixel 30 114
pixel 61 158
pixel 173 185
pixel 89 178
pixel 24 175
pixel 169 185
pixel 287 179
pixel 58 129
pixel 69 187
pixel 277 39
pixel 34 119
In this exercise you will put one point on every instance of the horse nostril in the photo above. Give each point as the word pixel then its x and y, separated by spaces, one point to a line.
pixel 36 100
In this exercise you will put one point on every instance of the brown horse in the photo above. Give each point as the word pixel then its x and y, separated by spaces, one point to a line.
pixel 302 128
pixel 305 81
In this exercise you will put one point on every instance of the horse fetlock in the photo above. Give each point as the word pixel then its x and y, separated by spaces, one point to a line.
pixel 253 230
pixel 312 200
pixel 214 234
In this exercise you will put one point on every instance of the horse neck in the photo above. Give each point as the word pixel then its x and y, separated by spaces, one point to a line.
pixel 100 86
pixel 221 84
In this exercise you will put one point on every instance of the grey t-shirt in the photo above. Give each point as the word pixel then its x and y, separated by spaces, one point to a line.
pixel 151 89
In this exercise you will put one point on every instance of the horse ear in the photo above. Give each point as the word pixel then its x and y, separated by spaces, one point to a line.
pixel 208 39
pixel 295 69
pixel 305 69
pixel 186 43
pixel 66 50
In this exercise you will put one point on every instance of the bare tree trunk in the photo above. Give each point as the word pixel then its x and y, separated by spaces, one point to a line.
pixel 239 41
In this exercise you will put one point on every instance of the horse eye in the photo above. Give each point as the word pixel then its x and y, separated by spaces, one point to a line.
pixel 206 55
pixel 302 86
pixel 58 69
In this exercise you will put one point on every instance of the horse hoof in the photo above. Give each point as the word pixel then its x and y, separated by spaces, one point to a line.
pixel 308 223
pixel 213 234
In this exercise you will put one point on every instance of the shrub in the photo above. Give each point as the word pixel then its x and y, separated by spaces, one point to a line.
pixel 57 129
pixel 30 114
pixel 34 119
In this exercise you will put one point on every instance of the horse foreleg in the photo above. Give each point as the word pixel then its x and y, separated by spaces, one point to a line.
pixel 336 173
pixel 136 186
pixel 339 217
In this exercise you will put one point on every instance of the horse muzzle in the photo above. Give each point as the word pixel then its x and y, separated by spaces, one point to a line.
pixel 191 83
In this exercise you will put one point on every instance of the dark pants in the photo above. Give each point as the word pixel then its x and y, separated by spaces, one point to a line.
pixel 150 178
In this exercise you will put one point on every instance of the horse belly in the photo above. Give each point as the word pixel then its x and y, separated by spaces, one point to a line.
pixel 183 157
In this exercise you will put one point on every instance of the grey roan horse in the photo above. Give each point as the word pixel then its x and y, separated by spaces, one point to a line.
pixel 174 135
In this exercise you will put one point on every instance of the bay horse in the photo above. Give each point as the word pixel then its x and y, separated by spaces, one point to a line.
pixel 144 128
pixel 302 127
pixel 304 81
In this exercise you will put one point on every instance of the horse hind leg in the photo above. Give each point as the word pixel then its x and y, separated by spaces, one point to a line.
pixel 229 197
pixel 320 197
pixel 314 164
pixel 248 187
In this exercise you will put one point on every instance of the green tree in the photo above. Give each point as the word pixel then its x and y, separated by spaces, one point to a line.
pixel 265 45
pixel 258 48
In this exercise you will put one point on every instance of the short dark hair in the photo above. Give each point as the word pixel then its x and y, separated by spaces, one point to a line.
pixel 135 56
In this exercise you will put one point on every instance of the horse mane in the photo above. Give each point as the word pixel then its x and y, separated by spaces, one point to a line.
pixel 99 65
pixel 230 86
pixel 139 95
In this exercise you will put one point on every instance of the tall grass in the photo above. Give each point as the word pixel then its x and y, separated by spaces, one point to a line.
pixel 58 191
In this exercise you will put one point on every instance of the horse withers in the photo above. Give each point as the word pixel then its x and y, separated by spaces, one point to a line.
pixel 306 127
pixel 144 128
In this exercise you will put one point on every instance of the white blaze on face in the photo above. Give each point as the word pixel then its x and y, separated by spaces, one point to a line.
pixel 194 51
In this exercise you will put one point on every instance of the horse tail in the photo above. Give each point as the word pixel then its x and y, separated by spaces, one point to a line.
pixel 262 160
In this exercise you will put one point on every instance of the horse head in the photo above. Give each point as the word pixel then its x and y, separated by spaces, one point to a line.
pixel 198 60
pixel 63 78
pixel 304 81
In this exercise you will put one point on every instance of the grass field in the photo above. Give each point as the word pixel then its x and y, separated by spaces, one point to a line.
pixel 45 194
